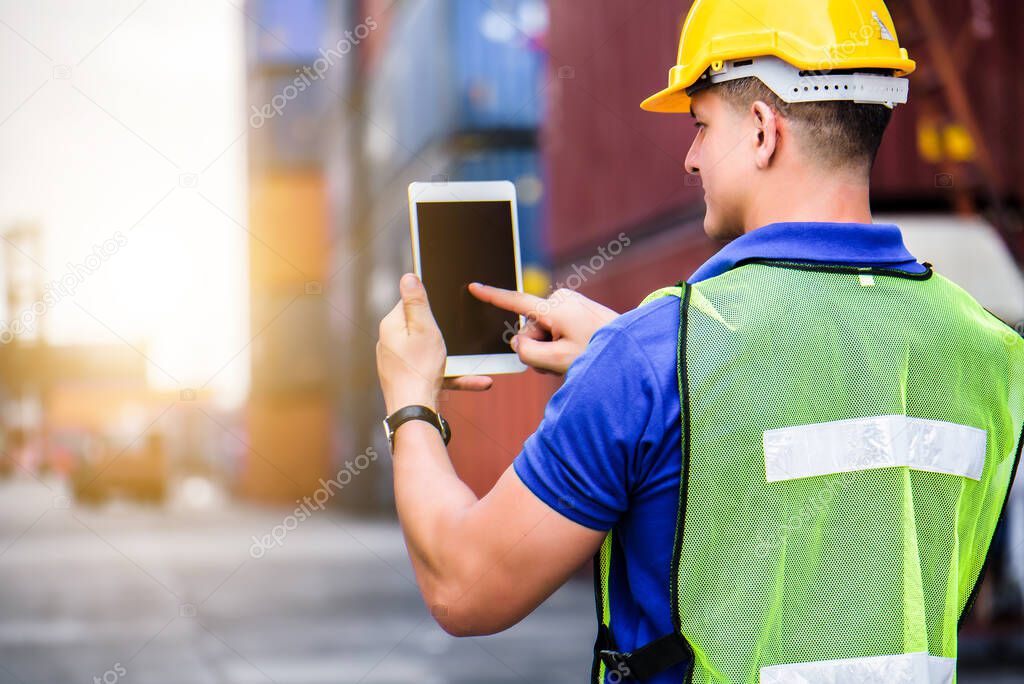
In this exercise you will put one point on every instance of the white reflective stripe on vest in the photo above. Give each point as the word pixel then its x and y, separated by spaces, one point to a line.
pixel 845 446
pixel 909 668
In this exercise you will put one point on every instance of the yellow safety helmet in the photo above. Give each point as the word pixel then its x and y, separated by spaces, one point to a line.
pixel 804 50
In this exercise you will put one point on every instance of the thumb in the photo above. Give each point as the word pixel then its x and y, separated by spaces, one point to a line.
pixel 414 300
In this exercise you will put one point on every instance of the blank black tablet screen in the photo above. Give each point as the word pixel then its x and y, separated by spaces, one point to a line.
pixel 462 242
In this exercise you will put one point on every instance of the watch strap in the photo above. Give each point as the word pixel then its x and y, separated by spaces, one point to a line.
pixel 417 412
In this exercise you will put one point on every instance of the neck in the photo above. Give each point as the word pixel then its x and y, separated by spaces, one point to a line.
pixel 810 195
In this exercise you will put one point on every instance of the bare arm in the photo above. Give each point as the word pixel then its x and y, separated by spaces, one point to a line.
pixel 482 565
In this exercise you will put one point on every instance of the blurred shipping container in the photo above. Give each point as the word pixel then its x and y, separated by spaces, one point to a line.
pixel 454 67
pixel 293 349
pixel 301 57
pixel 488 430
pixel 983 43
pixel 288 226
pixel 287 126
pixel 614 167
pixel 289 447
pixel 371 49
pixel 521 166
pixel 622 281
pixel 447 90
pixel 288 33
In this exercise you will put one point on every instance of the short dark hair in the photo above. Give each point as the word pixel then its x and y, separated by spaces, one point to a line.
pixel 838 133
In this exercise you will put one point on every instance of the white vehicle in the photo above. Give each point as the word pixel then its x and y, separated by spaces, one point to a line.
pixel 971 253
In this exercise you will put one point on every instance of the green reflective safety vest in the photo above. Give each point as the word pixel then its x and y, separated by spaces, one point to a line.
pixel 849 439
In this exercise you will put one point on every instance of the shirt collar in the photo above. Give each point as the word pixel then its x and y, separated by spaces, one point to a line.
pixel 858 244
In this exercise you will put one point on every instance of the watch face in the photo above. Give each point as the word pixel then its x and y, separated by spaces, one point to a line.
pixel 446 431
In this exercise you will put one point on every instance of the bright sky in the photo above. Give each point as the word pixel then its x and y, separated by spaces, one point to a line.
pixel 123 121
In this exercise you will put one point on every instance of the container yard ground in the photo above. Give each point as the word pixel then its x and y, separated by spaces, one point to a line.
pixel 174 595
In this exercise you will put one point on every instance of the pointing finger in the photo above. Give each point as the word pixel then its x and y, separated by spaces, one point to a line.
pixel 511 300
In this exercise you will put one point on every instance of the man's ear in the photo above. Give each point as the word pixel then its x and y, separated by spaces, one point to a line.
pixel 767 127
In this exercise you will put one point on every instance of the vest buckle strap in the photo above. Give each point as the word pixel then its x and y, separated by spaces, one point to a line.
pixel 616 661
pixel 650 659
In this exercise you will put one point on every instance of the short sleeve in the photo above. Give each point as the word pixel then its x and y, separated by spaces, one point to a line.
pixel 586 455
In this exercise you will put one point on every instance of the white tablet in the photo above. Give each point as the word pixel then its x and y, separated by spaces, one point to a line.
pixel 464 232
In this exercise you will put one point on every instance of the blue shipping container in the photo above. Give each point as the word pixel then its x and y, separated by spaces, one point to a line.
pixel 286 31
pixel 453 67
pixel 523 168
pixel 286 122
pixel 498 62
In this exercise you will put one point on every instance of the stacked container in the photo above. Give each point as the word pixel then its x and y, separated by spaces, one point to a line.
pixel 289 410
pixel 451 90
pixel 614 167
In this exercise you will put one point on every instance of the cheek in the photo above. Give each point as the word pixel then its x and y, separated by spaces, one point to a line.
pixel 716 151
pixel 724 156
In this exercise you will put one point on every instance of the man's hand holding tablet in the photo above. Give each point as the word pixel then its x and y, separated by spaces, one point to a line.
pixel 411 352
pixel 463 233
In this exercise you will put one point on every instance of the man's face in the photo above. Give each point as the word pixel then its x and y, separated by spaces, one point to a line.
pixel 723 161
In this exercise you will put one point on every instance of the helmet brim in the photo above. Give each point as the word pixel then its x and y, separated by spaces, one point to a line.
pixel 671 100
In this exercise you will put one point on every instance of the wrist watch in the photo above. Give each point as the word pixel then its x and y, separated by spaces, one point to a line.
pixel 415 412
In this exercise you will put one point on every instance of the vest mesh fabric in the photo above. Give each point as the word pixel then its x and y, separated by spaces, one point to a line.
pixel 877 561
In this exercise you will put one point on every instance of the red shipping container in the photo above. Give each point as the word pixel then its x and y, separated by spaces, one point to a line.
pixel 644 266
pixel 613 167
pixel 984 44
pixel 488 429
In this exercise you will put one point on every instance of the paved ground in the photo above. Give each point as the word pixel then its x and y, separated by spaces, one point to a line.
pixel 141 595
pixel 174 596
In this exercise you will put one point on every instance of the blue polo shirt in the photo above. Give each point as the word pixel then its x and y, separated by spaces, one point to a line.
pixel 607 452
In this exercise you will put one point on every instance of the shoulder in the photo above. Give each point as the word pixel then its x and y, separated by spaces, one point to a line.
pixel 604 427
pixel 958 299
pixel 648 321
pixel 634 344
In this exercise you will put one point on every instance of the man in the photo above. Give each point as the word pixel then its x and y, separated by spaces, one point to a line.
pixel 793 463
